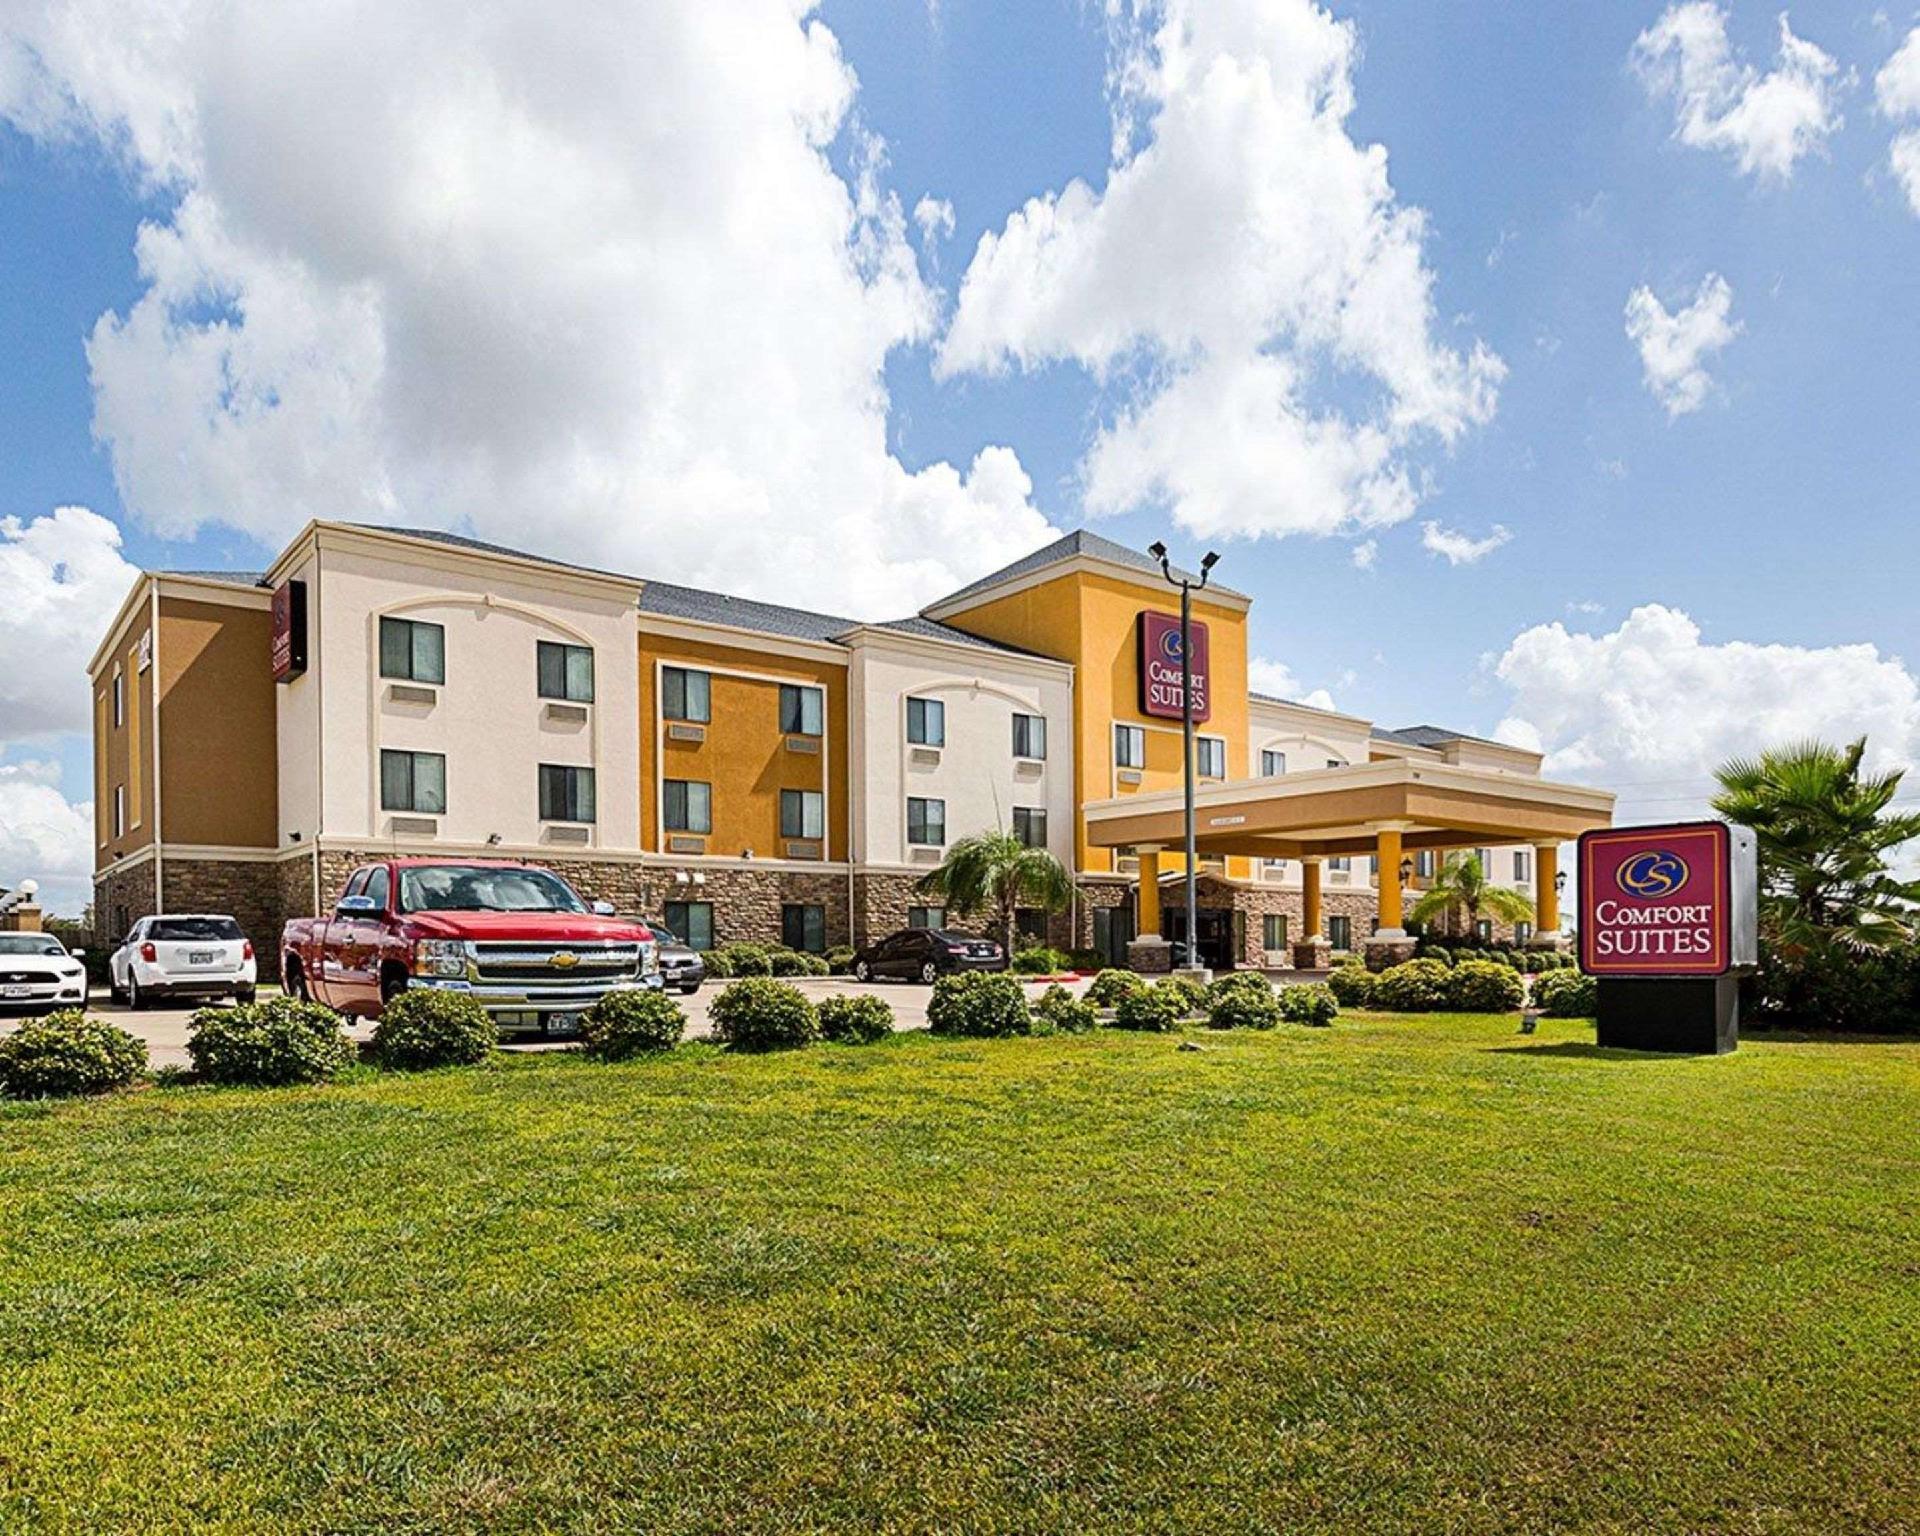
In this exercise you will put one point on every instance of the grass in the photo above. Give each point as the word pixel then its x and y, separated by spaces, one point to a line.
pixel 1402 1275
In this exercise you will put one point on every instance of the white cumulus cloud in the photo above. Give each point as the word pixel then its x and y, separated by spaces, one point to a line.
pixel 1245 261
pixel 1897 90
pixel 1674 346
pixel 45 837
pixel 594 287
pixel 1652 708
pixel 61 578
pixel 1366 554
pixel 1458 548
pixel 1767 121
pixel 1277 680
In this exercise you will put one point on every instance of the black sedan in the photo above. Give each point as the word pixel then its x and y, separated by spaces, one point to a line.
pixel 926 954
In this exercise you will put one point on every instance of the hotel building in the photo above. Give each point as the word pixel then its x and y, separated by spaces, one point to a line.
pixel 750 771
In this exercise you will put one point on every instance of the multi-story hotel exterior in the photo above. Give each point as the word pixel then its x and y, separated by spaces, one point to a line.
pixel 745 770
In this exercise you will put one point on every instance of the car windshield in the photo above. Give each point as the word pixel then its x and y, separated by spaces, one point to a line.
pixel 663 933
pixel 193 929
pixel 30 944
pixel 484 888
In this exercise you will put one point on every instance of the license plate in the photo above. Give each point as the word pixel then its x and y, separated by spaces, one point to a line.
pixel 562 1023
pixel 12 991
pixel 201 957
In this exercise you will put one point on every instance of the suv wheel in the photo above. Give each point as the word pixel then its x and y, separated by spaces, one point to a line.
pixel 929 973
pixel 862 971
pixel 244 996
pixel 134 1000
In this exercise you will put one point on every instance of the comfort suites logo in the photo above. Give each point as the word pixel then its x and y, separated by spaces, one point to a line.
pixel 1658 872
pixel 1160 667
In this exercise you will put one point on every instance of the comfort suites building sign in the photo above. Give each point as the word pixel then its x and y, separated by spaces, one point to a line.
pixel 1160 667
pixel 1656 901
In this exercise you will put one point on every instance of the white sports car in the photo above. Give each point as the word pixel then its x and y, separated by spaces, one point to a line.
pixel 37 975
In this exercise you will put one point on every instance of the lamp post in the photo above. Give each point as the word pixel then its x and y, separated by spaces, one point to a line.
pixel 1187 588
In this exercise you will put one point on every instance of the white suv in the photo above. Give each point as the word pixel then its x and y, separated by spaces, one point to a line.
pixel 183 955
pixel 37 975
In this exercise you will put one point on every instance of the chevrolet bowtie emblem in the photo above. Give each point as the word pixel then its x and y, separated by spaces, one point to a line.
pixel 566 960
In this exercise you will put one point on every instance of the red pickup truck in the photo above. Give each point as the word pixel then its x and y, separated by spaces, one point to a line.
pixel 515 936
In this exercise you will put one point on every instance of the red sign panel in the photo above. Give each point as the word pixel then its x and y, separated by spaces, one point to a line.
pixel 1160 667
pixel 289 630
pixel 1657 901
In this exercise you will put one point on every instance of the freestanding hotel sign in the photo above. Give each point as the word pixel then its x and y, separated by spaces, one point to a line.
pixel 1668 918
pixel 1160 667
pixel 289 630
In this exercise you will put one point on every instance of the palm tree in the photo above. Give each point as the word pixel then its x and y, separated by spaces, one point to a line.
pixel 996 872
pixel 1462 886
pixel 1825 839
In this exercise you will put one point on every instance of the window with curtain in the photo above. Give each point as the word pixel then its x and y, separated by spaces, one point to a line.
pixel 566 794
pixel 415 782
pixel 688 804
pixel 1030 826
pixel 802 710
pixel 686 695
pixel 565 671
pixel 926 722
pixel 803 813
pixel 1129 746
pixel 1210 753
pixel 691 922
pixel 803 926
pixel 1272 764
pixel 1030 736
pixel 926 822
pixel 413 652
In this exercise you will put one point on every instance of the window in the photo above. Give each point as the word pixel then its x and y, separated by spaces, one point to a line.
pixel 566 794
pixel 1129 746
pixel 357 884
pixel 1030 923
pixel 926 917
pixel 1212 753
pixel 565 671
pixel 1523 864
pixel 926 822
pixel 1273 869
pixel 689 805
pixel 691 922
pixel 412 651
pixel 1030 826
pixel 1423 863
pixel 119 698
pixel 803 813
pixel 1483 930
pixel 802 710
pixel 1522 933
pixel 686 695
pixel 413 781
pixel 1340 932
pixel 1030 736
pixel 377 887
pixel 804 927
pixel 1272 764
pixel 926 722
pixel 119 810
pixel 1274 931
pixel 1342 864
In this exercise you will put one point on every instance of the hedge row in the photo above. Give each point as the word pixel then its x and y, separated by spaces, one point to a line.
pixel 1429 986
pixel 1528 962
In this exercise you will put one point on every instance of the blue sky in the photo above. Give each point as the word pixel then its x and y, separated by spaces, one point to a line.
pixel 1772 523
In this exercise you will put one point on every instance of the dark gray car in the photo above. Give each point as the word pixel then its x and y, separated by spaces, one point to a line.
pixel 681 968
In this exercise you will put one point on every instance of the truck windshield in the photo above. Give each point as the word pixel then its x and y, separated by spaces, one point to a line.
pixel 483 888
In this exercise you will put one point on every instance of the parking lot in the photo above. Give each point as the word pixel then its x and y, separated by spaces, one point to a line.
pixel 165 1029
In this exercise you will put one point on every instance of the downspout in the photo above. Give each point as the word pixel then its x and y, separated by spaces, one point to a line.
pixel 153 670
pixel 315 650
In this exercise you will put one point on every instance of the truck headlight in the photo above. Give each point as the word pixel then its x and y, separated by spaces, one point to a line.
pixel 649 958
pixel 439 957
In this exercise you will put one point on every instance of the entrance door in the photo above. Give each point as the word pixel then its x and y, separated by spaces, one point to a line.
pixel 1216 934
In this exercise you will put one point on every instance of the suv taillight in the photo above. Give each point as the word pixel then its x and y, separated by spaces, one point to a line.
pixel 149 954
pixel 246 949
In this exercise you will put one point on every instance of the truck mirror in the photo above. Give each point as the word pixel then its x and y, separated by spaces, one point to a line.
pixel 350 906
pixel 603 909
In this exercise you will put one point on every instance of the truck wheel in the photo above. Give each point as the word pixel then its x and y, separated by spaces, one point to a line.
pixel 295 984
pixel 393 981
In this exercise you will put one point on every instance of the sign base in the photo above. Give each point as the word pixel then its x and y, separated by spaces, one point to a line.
pixel 1684 1015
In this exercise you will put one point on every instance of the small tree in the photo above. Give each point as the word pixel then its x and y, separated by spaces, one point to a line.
pixel 996 873
pixel 1462 886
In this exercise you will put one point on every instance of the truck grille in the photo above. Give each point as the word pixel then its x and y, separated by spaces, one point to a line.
pixel 563 967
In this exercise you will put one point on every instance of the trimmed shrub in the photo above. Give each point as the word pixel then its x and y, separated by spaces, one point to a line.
pixel 855 1020
pixel 1353 986
pixel 1085 959
pixel 1066 1013
pixel 1242 1007
pixel 1158 1009
pixel 1193 993
pixel 67 1053
pixel 758 1013
pixel 748 960
pixel 1563 994
pixel 1041 961
pixel 271 1044
pixel 1484 986
pixel 981 1004
pixel 794 962
pixel 718 966
pixel 1254 982
pixel 632 1022
pixel 1314 1005
pixel 1438 952
pixel 430 1028
pixel 1106 989
pixel 840 960
pixel 1418 986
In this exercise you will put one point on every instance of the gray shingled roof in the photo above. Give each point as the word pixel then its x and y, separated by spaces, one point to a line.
pixel 1434 736
pixel 480 546
pixel 675 602
pixel 1079 542
pixel 229 578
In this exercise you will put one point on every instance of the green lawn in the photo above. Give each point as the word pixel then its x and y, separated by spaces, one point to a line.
pixel 1401 1275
